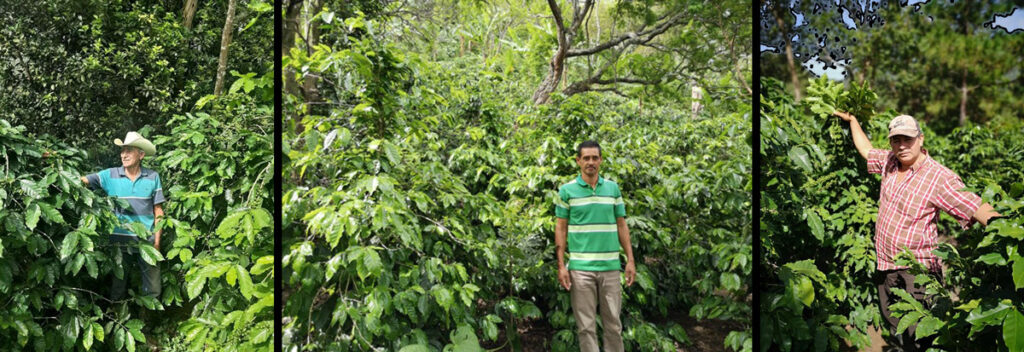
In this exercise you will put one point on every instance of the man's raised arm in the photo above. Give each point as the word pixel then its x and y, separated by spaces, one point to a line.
pixel 860 140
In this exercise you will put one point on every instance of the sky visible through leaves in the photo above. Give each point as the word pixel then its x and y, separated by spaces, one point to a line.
pixel 1012 22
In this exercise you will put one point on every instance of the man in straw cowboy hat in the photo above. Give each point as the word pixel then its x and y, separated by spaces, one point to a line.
pixel 914 188
pixel 141 188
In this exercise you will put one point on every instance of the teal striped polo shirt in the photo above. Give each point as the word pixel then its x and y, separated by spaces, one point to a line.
pixel 593 234
pixel 142 195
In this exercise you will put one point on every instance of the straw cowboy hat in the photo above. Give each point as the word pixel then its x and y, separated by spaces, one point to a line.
pixel 134 139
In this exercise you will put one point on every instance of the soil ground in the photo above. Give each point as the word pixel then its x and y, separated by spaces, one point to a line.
pixel 705 335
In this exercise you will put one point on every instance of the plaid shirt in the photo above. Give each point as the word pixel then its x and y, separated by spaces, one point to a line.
pixel 907 210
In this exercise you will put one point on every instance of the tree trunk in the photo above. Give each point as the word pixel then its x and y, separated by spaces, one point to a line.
pixel 190 11
pixel 225 42
pixel 790 62
pixel 557 64
pixel 293 10
pixel 309 89
pixel 963 98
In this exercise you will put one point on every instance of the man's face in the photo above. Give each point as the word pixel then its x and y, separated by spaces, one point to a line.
pixel 131 156
pixel 589 161
pixel 907 148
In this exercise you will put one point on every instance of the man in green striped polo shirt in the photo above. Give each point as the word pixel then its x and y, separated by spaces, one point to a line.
pixel 142 190
pixel 591 218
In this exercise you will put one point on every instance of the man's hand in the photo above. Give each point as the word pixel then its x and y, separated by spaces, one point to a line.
pixel 563 277
pixel 860 139
pixel 985 213
pixel 158 214
pixel 630 273
pixel 845 116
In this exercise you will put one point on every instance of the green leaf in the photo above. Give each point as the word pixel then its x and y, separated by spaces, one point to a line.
pixel 799 156
pixel 1013 331
pixel 443 296
pixel 97 331
pixel 87 337
pixel 677 332
pixel 490 330
pixel 928 327
pixel 465 340
pixel 119 342
pixel 414 348
pixel 370 265
pixel 244 282
pixel 32 216
pixel 129 343
pixel 150 254
pixel 1006 228
pixel 1018 272
pixel 195 286
pixel 69 244
pixel 90 267
pixel 992 259
pixel 263 264
pixel 804 290
pixel 32 190
pixel 52 215
pixel 908 319
pixel 730 281
pixel 814 221
pixel 981 317
pixel 135 329
pixel 185 255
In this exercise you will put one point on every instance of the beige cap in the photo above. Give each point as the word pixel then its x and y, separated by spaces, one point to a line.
pixel 134 139
pixel 904 125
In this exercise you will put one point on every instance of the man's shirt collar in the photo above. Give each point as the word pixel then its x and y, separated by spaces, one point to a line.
pixel 581 182
pixel 119 172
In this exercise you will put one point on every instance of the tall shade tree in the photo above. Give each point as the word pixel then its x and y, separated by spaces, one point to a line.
pixel 225 43
pixel 678 36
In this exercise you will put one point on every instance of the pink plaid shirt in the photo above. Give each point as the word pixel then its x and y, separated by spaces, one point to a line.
pixel 907 210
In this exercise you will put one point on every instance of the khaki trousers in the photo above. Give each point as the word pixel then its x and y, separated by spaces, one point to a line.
pixel 591 290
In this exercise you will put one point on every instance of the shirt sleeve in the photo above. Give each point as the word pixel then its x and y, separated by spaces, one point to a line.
pixel 94 181
pixel 620 206
pixel 876 160
pixel 158 193
pixel 960 204
pixel 562 204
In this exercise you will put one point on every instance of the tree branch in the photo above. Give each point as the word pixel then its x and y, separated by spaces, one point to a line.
pixel 642 36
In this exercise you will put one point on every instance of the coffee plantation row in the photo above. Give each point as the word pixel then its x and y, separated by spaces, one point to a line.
pixel 419 206
pixel 818 213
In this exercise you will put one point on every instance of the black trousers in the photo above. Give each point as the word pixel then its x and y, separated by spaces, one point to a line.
pixel 903 279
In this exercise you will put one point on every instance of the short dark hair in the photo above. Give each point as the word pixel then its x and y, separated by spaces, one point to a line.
pixel 587 144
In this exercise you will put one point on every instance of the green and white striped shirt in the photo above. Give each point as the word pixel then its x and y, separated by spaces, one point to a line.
pixel 593 234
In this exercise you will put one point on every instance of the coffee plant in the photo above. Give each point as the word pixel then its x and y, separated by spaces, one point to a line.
pixel 217 260
pixel 819 206
pixel 418 210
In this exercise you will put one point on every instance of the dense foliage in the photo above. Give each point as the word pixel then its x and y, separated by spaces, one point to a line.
pixel 818 211
pixel 83 70
pixel 941 61
pixel 419 197
pixel 77 74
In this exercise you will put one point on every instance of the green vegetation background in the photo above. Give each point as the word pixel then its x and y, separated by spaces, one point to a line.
pixel 75 74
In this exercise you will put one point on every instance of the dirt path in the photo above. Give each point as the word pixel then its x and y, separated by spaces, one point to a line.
pixel 705 335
